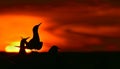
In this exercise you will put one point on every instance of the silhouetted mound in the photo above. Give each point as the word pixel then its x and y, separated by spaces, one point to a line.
pixel 5 63
pixel 35 60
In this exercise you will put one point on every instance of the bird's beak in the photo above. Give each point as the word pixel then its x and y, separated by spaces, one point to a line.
pixel 39 24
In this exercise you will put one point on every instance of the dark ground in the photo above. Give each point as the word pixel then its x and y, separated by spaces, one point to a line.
pixel 34 60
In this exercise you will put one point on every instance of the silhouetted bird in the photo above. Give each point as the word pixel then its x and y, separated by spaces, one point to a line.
pixel 54 57
pixel 53 50
pixel 22 46
pixel 35 43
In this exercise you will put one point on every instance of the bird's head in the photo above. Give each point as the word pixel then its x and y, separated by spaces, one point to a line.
pixel 35 28
pixel 24 39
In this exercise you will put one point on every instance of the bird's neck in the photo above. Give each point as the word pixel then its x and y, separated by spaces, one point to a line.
pixel 22 43
pixel 35 35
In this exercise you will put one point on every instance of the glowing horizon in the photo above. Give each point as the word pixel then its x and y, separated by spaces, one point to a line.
pixel 12 47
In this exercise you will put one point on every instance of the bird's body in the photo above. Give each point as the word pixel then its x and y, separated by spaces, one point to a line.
pixel 22 46
pixel 35 43
pixel 53 50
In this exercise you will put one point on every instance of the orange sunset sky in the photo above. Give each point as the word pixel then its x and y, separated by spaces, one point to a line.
pixel 72 25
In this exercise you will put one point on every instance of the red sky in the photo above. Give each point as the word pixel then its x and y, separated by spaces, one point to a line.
pixel 72 25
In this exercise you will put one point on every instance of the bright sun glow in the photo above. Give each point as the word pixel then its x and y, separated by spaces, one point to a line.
pixel 18 25
pixel 11 47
